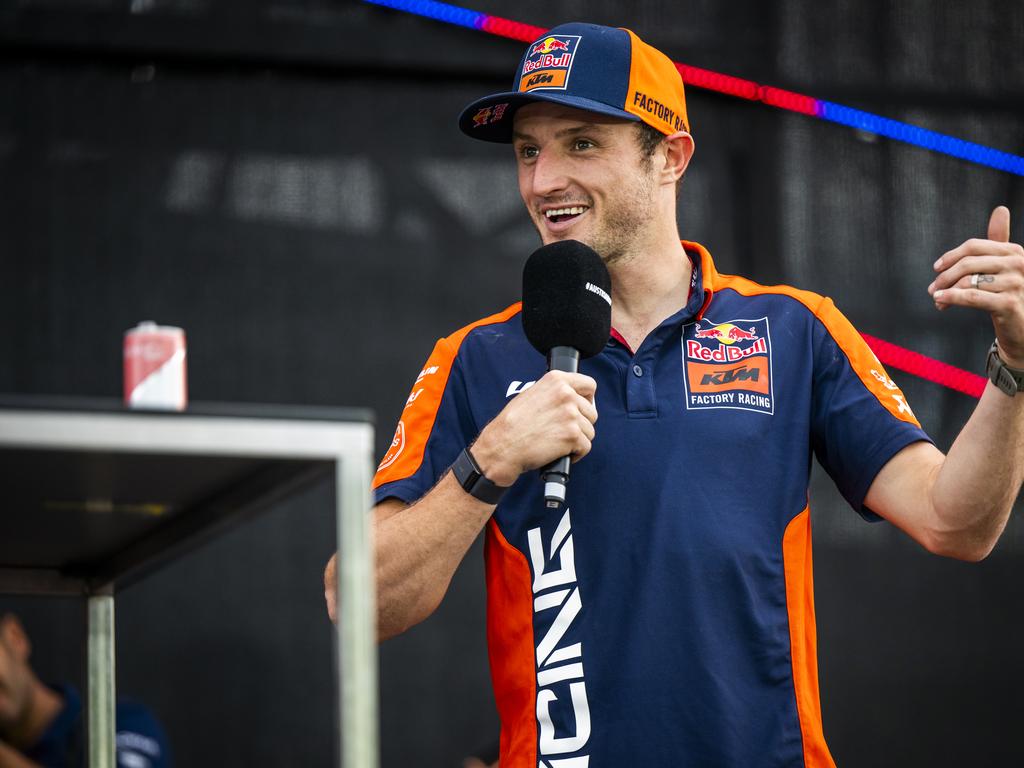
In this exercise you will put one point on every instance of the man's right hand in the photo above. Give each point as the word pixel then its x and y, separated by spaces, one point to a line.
pixel 553 418
pixel 417 548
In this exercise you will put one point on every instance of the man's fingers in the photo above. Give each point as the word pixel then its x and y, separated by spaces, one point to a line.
pixel 972 297
pixel 582 448
pixel 587 408
pixel 992 283
pixel 968 266
pixel 332 605
pixel 583 384
pixel 975 247
pixel 329 571
pixel 999 224
pixel 330 587
pixel 587 427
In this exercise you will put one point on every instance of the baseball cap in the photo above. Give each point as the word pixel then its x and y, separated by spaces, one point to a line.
pixel 606 70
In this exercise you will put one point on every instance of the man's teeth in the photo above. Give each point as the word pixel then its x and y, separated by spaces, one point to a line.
pixel 576 209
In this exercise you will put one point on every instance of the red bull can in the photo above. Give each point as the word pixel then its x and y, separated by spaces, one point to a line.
pixel 154 367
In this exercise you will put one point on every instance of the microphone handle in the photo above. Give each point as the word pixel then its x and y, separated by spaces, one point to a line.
pixel 556 474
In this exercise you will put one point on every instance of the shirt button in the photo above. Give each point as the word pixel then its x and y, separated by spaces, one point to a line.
pixel 638 371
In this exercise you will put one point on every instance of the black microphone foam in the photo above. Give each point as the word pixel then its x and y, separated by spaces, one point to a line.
pixel 567 298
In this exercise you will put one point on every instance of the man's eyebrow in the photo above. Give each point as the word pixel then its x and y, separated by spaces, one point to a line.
pixel 596 128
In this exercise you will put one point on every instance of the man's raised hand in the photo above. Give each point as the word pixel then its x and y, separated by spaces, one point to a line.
pixel 988 274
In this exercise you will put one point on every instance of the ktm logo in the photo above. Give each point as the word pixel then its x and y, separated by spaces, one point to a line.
pixel 735 374
pixel 538 79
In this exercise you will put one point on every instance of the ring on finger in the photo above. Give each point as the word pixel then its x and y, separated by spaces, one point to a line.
pixel 980 277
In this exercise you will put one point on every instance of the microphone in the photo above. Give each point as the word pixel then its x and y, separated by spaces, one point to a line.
pixel 567 315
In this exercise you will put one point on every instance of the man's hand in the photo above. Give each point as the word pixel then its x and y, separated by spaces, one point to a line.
pixel 418 547
pixel 957 505
pixel 330 587
pixel 988 274
pixel 553 418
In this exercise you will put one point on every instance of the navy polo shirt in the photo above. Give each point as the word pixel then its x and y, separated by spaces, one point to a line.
pixel 140 740
pixel 666 616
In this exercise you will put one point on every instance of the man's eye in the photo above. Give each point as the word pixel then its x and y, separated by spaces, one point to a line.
pixel 527 151
pixel 582 144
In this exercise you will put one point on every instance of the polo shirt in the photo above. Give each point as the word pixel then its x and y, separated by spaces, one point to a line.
pixel 140 740
pixel 665 616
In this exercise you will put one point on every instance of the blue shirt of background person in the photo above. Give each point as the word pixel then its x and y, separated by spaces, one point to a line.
pixel 42 725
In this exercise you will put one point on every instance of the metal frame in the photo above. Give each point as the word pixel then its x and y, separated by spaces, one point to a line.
pixel 304 434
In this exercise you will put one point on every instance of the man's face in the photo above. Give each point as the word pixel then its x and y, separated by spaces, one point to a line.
pixel 588 168
pixel 15 677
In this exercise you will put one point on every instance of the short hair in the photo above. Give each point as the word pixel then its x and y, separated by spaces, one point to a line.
pixel 649 139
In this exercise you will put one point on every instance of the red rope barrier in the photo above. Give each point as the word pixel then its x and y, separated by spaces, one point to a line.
pixel 926 367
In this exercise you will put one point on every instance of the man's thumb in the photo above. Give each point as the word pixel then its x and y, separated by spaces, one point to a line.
pixel 999 224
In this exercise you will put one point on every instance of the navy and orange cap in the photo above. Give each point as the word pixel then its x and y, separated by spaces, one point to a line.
pixel 600 69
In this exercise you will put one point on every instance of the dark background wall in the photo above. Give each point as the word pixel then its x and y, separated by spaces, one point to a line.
pixel 284 180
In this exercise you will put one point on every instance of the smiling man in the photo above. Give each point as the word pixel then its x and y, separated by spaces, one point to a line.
pixel 665 618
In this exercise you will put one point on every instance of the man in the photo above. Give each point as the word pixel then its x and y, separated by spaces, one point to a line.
pixel 42 726
pixel 665 618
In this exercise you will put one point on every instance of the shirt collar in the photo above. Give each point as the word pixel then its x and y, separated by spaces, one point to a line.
pixel 701 289
pixel 702 281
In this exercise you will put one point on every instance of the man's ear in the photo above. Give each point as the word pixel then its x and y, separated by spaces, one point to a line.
pixel 678 149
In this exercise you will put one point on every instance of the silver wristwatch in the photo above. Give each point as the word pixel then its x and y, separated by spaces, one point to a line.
pixel 1009 380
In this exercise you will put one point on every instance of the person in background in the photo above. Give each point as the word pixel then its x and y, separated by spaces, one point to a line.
pixel 42 725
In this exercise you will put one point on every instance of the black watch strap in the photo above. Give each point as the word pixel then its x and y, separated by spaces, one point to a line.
pixel 1009 380
pixel 473 480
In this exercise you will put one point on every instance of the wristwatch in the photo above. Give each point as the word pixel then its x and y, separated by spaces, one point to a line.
pixel 1009 380
pixel 474 481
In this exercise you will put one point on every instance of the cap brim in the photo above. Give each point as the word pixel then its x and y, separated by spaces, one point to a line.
pixel 501 130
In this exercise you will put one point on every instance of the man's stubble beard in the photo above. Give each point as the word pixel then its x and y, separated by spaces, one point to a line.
pixel 616 240
pixel 615 237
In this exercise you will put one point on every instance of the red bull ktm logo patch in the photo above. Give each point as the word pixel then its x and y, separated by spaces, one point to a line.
pixel 728 365
pixel 548 62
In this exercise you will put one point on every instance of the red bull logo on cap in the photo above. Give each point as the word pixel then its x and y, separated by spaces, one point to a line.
pixel 488 115
pixel 549 62
pixel 549 44
pixel 728 365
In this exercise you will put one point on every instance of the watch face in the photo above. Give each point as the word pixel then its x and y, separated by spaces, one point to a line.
pixel 464 471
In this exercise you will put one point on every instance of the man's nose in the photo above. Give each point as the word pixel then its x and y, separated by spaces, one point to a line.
pixel 549 174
